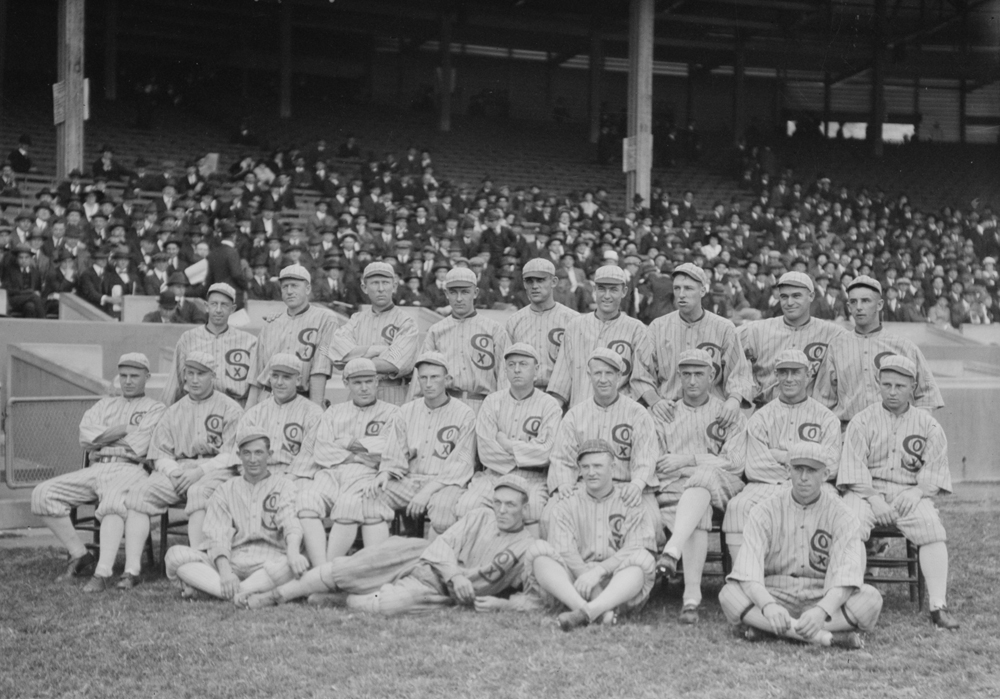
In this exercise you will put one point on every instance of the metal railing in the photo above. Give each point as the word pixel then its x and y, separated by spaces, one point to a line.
pixel 43 437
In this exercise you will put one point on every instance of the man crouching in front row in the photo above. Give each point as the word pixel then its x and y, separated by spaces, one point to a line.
pixel 252 536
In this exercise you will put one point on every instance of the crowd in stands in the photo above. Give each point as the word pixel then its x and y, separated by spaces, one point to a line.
pixel 129 228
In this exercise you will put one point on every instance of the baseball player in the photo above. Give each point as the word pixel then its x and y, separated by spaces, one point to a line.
pixel 609 328
pixel 616 419
pixel 515 432
pixel 288 419
pixel 848 381
pixel 597 557
pixel 693 327
pixel 301 330
pixel 895 460
pixel 252 536
pixel 542 323
pixel 116 430
pixel 695 474
pixel 193 451
pixel 356 449
pixel 800 571
pixel 384 334
pixel 763 340
pixel 234 350
pixel 761 451
pixel 471 344
pixel 481 556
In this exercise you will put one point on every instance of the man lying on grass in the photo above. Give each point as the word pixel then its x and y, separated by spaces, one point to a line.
pixel 252 536
pixel 474 560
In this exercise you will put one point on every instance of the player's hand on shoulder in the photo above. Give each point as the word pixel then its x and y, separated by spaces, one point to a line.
pixel 730 412
pixel 563 492
pixel 664 410
pixel 631 494
pixel 271 317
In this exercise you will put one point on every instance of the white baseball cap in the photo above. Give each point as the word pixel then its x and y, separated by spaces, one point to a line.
pixel 610 274
pixel 295 272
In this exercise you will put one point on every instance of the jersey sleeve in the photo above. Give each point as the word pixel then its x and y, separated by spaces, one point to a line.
pixel 344 339
pixel 753 451
pixel 501 340
pixel 637 535
pixel 139 438
pixel 854 473
pixel 287 518
pixel 825 388
pixel 218 528
pixel 562 466
pixel 642 380
pixel 327 453
pixel 846 567
pixel 442 554
pixel 935 471
pixel 645 451
pixel 563 536
pixel 739 377
pixel 491 454
pixel 92 424
pixel 321 364
pixel 402 353
pixel 750 561
pixel 561 380
pixel 394 452
pixel 162 443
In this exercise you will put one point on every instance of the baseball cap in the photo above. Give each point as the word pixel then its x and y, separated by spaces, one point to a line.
pixel 459 276
pixel 224 289
pixel 538 267
pixel 610 274
pixel 810 454
pixel 287 361
pixel 134 359
pixel 200 360
pixel 522 349
pixel 514 482
pixel 609 357
pixel 691 271
pixel 359 367
pixel 250 434
pixel 295 272
pixel 866 282
pixel 791 359
pixel 594 446
pixel 379 269
pixel 695 357
pixel 796 279
pixel 435 358
pixel 899 364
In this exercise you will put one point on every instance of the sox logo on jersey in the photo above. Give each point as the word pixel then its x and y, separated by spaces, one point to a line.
pixel 913 457
pixel 269 516
pixel 716 432
pixel 819 550
pixel 214 425
pixel 293 438
pixel 621 435
pixel 389 333
pixel 309 339
pixel 880 356
pixel 616 523
pixel 625 349
pixel 555 342
pixel 483 351
pixel 815 351
pixel 136 418
pixel 810 432
pixel 716 352
pixel 374 428
pixel 500 565
pixel 446 436
pixel 531 425
pixel 237 364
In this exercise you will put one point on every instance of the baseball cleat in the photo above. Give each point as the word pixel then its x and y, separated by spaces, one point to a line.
pixel 666 565
pixel 751 634
pixel 851 640
pixel 97 583
pixel 362 603
pixel 943 619
pixel 689 614
pixel 127 582
pixel 78 567
pixel 572 620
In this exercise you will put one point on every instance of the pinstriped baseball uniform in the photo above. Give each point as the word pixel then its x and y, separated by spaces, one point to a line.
pixel 492 560
pixel 301 335
pixel 889 454
pixel 531 424
pixel 585 333
pixel 119 467
pixel 190 432
pixel 288 426
pixel 247 523
pixel 794 554
pixel 763 339
pixel 473 347
pixel 337 490
pixel 670 335
pixel 848 380
pixel 695 430
pixel 442 445
pixel 778 425
pixel 235 353
pixel 392 328
pixel 587 532
pixel 543 330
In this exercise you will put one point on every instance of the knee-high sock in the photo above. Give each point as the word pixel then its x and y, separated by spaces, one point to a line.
pixel 690 510
pixel 695 552
pixel 201 576
pixel 625 584
pixel 374 534
pixel 112 530
pixel 342 537
pixel 196 528
pixel 314 539
pixel 258 581
pixel 934 564
pixel 136 533
pixel 63 529
pixel 734 550
pixel 556 581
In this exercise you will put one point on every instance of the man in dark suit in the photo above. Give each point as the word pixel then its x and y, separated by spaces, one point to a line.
pixel 187 310
pixel 224 265
pixel 62 279
pixel 157 278
pixel 166 310
pixel 260 287
pixel 91 280
pixel 335 290
pixel 18 158
pixel 23 283
pixel 657 293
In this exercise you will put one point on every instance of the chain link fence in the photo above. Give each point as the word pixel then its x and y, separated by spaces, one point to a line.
pixel 43 437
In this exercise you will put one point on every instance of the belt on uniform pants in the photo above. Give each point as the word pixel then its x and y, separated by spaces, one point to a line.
pixel 466 395
pixel 112 459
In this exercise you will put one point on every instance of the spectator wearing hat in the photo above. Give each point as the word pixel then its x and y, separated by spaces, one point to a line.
pixel 188 310
pixel 166 310
pixel 260 286
pixel 192 183
pixel 225 266
pixel 265 221
pixel 61 279
pixel 39 259
pixel 157 278
pixel 106 166
pixel 8 182
pixel 334 290
pixel 72 189
pixel 19 159
pixel 656 293
pixel 90 287
pixel 119 280
pixel 23 283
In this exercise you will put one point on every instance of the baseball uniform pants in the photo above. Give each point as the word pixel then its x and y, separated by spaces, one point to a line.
pixel 922 526
pixel 722 485
pixel 861 609
pixel 440 508
pixel 109 483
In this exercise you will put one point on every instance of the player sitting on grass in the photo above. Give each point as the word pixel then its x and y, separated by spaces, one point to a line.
pixel 252 536
pixel 695 474
pixel 895 461
pixel 481 556
pixel 597 558
pixel 800 571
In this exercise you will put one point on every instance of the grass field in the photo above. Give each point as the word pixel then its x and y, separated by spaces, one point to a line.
pixel 57 642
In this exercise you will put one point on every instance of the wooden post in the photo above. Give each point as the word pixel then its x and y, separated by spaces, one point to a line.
pixel 111 50
pixel 596 70
pixel 444 120
pixel 640 100
pixel 70 71
pixel 285 59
